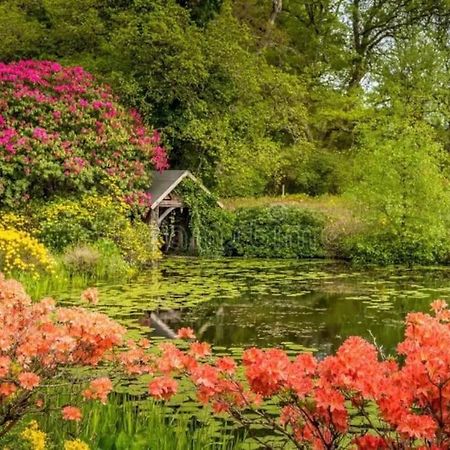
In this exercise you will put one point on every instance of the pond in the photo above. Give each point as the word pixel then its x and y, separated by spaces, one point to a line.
pixel 235 303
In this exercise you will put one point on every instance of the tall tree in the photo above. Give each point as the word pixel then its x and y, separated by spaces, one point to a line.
pixel 376 25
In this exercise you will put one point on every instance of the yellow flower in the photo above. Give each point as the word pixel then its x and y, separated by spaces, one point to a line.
pixel 75 445
pixel 21 251
pixel 34 436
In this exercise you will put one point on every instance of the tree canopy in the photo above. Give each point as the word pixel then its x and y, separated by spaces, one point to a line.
pixel 257 93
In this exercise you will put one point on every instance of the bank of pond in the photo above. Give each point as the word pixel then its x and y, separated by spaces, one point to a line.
pixel 234 304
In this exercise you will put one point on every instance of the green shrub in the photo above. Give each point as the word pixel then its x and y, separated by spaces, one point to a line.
pixel 401 194
pixel 101 260
pixel 386 247
pixel 139 243
pixel 72 222
pixel 277 232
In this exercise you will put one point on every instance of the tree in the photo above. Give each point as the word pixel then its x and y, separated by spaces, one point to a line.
pixel 376 24
pixel 413 80
pixel 402 193
pixel 226 113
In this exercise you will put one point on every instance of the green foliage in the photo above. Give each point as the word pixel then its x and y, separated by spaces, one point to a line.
pixel 318 172
pixel 70 222
pixel 19 32
pixel 247 99
pixel 226 112
pixel 102 260
pixel 128 424
pixel 210 225
pixel 401 193
pixel 277 232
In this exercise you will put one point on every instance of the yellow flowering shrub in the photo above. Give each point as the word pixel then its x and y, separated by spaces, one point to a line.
pixel 14 221
pixel 68 223
pixel 75 445
pixel 140 243
pixel 34 436
pixel 22 252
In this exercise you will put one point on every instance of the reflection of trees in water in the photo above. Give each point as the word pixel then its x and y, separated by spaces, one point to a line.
pixel 313 311
pixel 316 320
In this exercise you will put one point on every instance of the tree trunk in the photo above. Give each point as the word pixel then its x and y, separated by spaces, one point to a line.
pixel 277 6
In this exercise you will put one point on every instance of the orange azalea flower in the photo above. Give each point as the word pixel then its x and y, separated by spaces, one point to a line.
pixel 144 343
pixel 99 389
pixel 71 413
pixel 90 295
pixel 6 389
pixel 5 362
pixel 186 333
pixel 226 365
pixel 29 380
pixel 163 388
pixel 200 349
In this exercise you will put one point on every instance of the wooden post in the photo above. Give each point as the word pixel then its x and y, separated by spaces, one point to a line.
pixel 154 216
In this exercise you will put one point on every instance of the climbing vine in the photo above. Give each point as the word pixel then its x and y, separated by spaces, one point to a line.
pixel 210 225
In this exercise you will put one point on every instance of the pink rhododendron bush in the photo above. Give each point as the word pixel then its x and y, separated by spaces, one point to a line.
pixel 355 398
pixel 61 132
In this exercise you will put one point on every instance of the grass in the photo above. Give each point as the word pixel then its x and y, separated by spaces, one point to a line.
pixel 128 424
pixel 62 280
pixel 78 268
pixel 330 205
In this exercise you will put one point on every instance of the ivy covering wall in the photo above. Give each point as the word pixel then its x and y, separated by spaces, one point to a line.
pixel 210 226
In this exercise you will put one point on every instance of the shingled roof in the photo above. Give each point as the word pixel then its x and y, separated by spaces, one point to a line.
pixel 163 183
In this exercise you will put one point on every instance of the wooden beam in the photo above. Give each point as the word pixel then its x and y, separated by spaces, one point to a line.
pixel 169 203
pixel 165 214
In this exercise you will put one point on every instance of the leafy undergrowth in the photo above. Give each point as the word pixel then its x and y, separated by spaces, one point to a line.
pixel 341 220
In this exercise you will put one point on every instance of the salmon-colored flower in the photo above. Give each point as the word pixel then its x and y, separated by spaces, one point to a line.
pixel 6 389
pixel 186 333
pixel 226 365
pixel 99 389
pixel 90 295
pixel 200 349
pixel 71 413
pixel 29 380
pixel 5 362
pixel 163 388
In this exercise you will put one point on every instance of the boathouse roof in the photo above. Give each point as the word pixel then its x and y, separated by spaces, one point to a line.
pixel 163 183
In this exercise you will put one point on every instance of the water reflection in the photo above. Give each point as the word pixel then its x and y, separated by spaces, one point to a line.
pixel 298 304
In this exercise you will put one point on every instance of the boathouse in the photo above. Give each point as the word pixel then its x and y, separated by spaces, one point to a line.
pixel 169 210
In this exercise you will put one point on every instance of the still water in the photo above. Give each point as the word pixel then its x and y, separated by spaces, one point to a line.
pixel 235 303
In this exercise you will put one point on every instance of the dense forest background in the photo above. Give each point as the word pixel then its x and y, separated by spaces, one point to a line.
pixel 253 94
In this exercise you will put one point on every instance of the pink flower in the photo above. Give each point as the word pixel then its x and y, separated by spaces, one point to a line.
pixel 40 134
